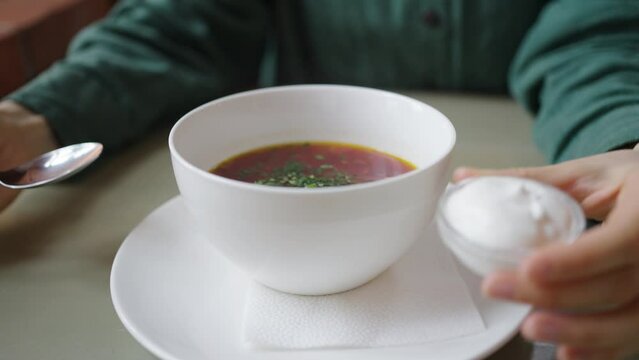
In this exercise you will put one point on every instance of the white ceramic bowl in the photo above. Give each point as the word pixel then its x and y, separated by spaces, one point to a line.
pixel 312 241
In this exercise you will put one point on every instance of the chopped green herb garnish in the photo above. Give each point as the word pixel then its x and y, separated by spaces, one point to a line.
pixel 295 174
pixel 319 157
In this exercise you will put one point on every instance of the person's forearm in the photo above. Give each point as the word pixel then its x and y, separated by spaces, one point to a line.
pixel 578 73
pixel 148 62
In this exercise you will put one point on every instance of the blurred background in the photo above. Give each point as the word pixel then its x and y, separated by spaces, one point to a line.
pixel 35 33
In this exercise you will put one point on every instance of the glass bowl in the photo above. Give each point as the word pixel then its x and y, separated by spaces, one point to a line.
pixel 484 260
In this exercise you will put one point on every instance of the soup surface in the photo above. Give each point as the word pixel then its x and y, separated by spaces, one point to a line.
pixel 312 165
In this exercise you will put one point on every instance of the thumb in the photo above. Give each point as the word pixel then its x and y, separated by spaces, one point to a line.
pixel 553 174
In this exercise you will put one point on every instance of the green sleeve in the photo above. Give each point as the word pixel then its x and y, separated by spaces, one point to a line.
pixel 578 71
pixel 148 61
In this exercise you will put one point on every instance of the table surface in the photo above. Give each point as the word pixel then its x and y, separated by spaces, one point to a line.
pixel 57 243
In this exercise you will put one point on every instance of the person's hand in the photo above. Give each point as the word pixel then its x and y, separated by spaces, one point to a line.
pixel 586 294
pixel 23 136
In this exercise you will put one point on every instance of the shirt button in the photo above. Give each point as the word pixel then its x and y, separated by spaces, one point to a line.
pixel 432 19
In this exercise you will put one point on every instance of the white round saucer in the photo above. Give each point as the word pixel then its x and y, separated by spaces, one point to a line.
pixel 182 300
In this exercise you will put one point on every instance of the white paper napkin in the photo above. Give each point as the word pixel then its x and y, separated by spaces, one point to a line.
pixel 421 298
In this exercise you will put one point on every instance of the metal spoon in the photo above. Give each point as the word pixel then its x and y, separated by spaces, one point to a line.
pixel 52 166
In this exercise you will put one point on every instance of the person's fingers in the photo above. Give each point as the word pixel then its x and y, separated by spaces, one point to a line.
pixel 593 181
pixel 571 177
pixel 552 174
pixel 598 204
pixel 465 172
pixel 616 288
pixel 625 215
pixel 611 245
pixel 597 251
pixel 617 329
pixel 577 353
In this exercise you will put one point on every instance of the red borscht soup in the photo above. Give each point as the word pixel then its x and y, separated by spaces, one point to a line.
pixel 312 165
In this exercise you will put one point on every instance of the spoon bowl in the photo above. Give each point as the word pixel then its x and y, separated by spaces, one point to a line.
pixel 53 166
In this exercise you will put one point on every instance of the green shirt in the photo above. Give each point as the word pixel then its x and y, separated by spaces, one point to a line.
pixel 573 63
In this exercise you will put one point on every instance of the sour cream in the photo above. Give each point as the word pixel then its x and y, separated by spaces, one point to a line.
pixel 503 212
pixel 493 222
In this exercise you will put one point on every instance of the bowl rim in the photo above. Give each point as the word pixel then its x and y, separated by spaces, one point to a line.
pixel 304 191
